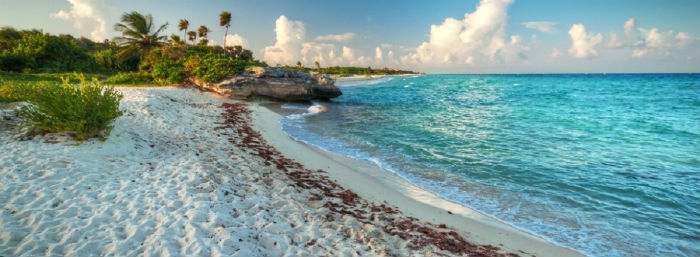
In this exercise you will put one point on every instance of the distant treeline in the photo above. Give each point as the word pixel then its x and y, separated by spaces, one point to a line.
pixel 339 71
pixel 35 51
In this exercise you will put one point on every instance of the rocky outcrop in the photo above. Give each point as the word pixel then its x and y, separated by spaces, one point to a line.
pixel 276 83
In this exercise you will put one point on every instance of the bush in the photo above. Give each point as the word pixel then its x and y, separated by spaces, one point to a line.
pixel 87 109
pixel 130 78
pixel 215 67
pixel 13 92
pixel 14 62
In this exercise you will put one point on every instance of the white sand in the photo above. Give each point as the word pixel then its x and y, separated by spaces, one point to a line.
pixel 167 182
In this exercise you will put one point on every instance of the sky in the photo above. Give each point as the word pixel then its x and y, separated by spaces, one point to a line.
pixel 444 36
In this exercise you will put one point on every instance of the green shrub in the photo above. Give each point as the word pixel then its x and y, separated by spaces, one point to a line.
pixel 87 109
pixel 130 78
pixel 168 71
pixel 215 67
pixel 13 92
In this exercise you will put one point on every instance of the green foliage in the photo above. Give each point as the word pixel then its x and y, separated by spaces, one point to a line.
pixel 139 35
pixel 86 109
pixel 107 59
pixel 168 72
pixel 214 68
pixel 22 51
pixel 13 92
pixel 172 64
pixel 15 62
pixel 130 78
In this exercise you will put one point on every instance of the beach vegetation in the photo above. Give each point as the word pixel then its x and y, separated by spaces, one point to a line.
pixel 85 109
pixel 183 25
pixel 136 78
pixel 225 21
pixel 202 32
pixel 192 36
pixel 139 35
pixel 34 51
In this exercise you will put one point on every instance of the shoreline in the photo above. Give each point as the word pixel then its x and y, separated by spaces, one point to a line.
pixel 186 172
pixel 376 185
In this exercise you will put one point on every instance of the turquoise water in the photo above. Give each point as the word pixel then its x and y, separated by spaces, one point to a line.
pixel 605 164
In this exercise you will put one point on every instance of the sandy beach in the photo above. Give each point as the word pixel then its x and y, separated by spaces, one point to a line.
pixel 188 173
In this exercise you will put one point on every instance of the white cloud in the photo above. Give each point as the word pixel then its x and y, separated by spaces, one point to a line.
pixel 478 37
pixel 582 43
pixel 291 47
pixel 544 26
pixel 337 38
pixel 378 54
pixel 236 40
pixel 86 17
pixel 654 41
pixel 290 35
pixel 630 35
pixel 348 53
pixel 683 39
pixel 643 41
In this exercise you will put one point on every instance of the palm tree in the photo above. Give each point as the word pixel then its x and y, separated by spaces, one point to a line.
pixel 225 21
pixel 183 25
pixel 203 30
pixel 175 40
pixel 138 34
pixel 192 36
pixel 318 66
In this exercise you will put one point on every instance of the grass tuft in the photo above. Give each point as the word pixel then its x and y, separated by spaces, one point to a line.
pixel 86 109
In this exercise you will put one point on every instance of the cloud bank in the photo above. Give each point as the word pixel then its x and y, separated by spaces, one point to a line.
pixel 86 17
pixel 477 38
pixel 644 41
pixel 291 47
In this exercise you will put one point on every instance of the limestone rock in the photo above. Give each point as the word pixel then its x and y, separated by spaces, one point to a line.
pixel 275 83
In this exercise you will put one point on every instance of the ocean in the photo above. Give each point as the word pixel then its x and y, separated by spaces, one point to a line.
pixel 607 164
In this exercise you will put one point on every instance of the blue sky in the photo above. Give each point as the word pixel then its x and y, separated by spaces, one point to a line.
pixel 468 36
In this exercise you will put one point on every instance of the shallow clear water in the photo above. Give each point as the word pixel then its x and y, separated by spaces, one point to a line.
pixel 605 164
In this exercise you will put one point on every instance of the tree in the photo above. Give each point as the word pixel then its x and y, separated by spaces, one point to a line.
pixel 203 30
pixel 183 25
pixel 318 66
pixel 299 66
pixel 192 36
pixel 225 21
pixel 8 35
pixel 138 34
pixel 175 40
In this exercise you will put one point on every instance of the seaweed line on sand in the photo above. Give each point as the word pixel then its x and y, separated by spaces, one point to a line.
pixel 341 201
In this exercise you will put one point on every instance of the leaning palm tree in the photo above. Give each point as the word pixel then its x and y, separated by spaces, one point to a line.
pixel 183 25
pixel 225 21
pixel 203 30
pixel 138 34
pixel 192 36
